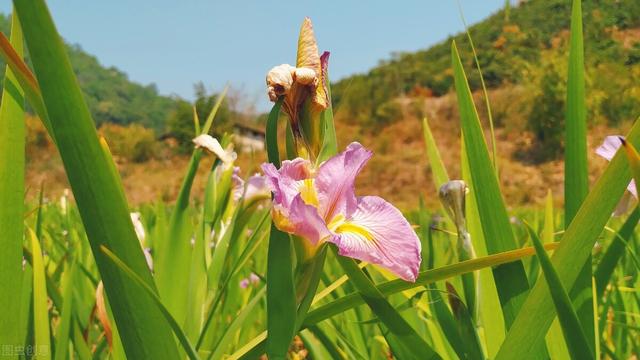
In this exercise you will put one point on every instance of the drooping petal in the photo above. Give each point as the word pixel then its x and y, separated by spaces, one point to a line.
pixel 303 220
pixel 284 182
pixel 212 145
pixel 335 181
pixel 378 233
pixel 256 188
pixel 609 147
pixel 608 150
pixel 632 188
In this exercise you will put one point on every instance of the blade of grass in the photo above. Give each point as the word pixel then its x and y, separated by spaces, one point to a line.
pixel 182 338
pixel 556 345
pixel 64 328
pixel 464 322
pixel 576 184
pixel 281 294
pixel 256 346
pixel 577 343
pixel 576 180
pixel 40 307
pixel 403 339
pixel 485 93
pixel 24 76
pixel 510 279
pixel 329 139
pixel 537 313
pixel 104 213
pixel 614 252
pixel 12 161
pixel 446 321
pixel 438 171
pixel 490 316
pixel 175 254
pixel 237 322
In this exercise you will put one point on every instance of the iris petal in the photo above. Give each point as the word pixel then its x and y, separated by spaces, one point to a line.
pixel 335 181
pixel 284 183
pixel 378 233
pixel 305 221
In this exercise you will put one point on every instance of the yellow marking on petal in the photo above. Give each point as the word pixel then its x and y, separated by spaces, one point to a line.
pixel 336 222
pixel 355 228
pixel 308 192
pixel 281 221
pixel 339 225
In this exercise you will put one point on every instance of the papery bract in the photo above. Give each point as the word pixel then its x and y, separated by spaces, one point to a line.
pixel 319 204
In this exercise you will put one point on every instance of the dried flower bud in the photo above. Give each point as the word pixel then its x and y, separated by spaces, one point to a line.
pixel 305 76
pixel 280 80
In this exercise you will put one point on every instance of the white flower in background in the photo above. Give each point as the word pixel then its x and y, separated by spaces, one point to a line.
pixel 255 188
pixel 64 201
pixel 139 228
pixel 211 144
pixel 137 225
pixel 608 150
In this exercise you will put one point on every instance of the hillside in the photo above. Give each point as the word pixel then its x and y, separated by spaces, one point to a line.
pixel 511 45
pixel 111 96
pixel 523 57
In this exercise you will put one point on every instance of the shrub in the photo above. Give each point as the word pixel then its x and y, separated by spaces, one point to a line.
pixel 133 142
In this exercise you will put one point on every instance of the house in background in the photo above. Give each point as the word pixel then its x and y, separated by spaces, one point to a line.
pixel 248 136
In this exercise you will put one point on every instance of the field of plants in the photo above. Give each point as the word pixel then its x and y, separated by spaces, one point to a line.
pixel 294 262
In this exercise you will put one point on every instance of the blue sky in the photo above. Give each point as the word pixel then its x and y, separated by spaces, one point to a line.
pixel 175 44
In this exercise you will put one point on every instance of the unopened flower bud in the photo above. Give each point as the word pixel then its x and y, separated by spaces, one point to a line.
pixel 452 196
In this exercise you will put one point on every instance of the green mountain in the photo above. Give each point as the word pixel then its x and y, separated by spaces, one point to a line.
pixel 111 96
pixel 520 45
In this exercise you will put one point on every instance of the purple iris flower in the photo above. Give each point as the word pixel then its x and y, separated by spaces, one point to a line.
pixel 320 205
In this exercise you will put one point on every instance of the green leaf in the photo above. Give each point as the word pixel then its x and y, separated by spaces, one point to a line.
pixel 556 345
pixel 485 93
pixel 104 212
pixel 510 279
pixel 175 253
pixel 12 161
pixel 329 139
pixel 574 249
pixel 238 321
pixel 446 321
pixel 255 347
pixel 403 339
pixel 182 338
pixel 271 139
pixel 577 343
pixel 490 316
pixel 466 328
pixel 25 78
pixel 614 252
pixel 576 180
pixel 281 294
pixel 64 328
pixel 438 171
pixel 40 307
